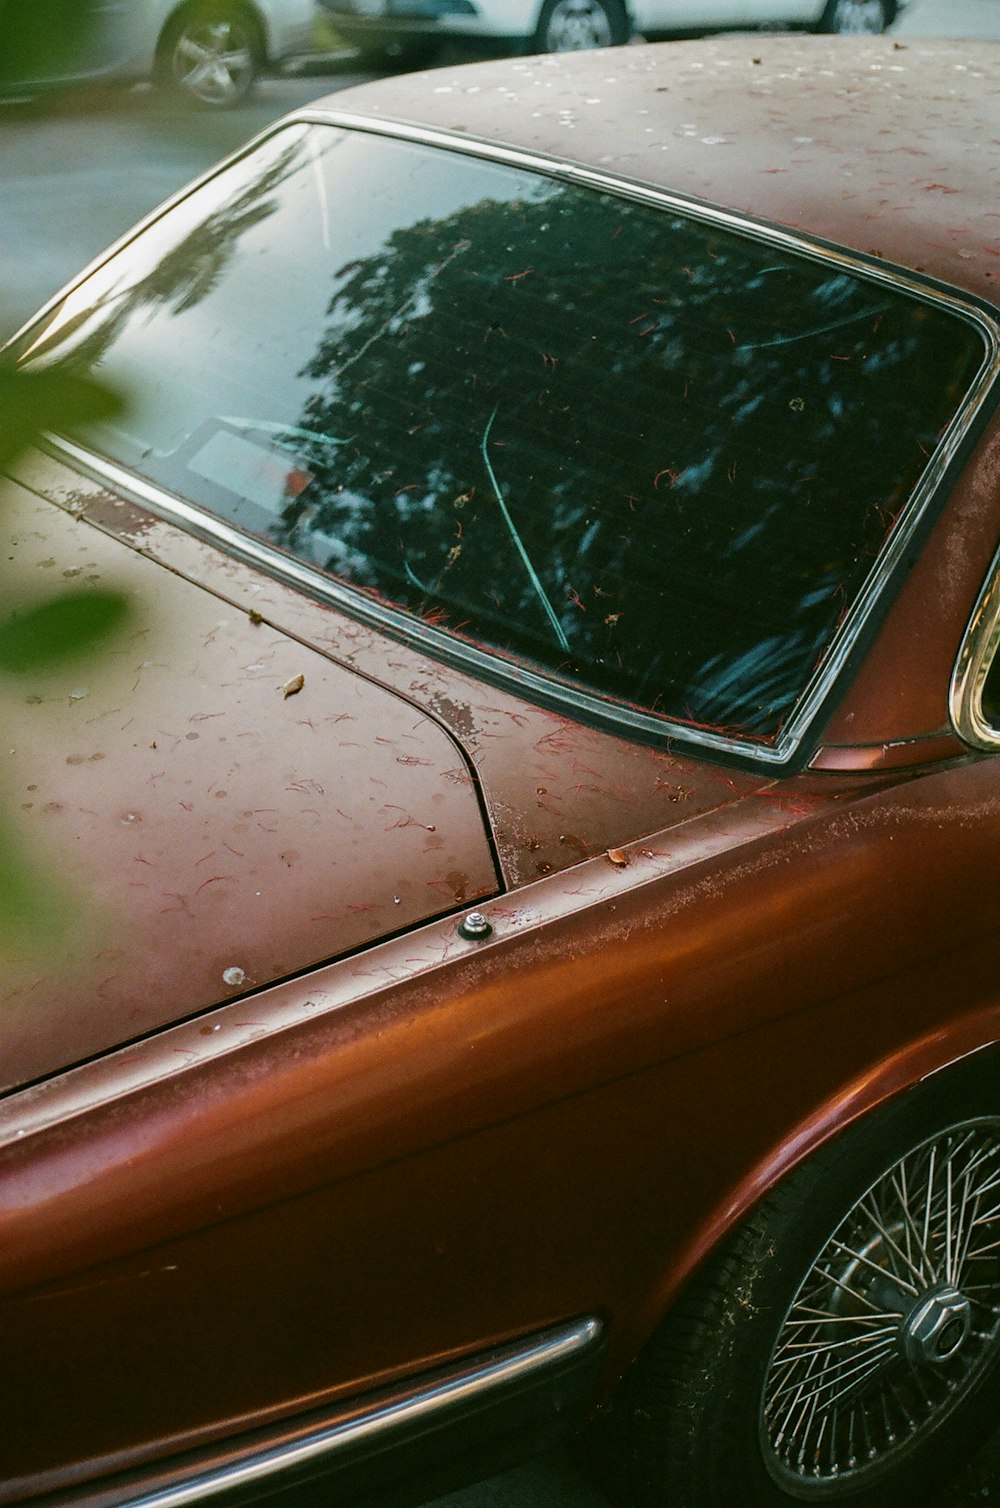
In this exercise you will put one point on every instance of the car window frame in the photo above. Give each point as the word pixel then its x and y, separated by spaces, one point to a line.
pixel 792 745
pixel 977 657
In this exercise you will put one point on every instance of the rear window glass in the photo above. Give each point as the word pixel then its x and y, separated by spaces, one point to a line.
pixel 633 451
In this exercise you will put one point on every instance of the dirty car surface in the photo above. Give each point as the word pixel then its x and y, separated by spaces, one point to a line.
pixel 532 849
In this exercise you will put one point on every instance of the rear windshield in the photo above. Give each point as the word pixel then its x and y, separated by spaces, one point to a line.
pixel 635 452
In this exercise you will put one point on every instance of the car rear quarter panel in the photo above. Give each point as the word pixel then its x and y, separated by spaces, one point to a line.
pixel 211 830
pixel 461 1142
pixel 556 791
pixel 901 688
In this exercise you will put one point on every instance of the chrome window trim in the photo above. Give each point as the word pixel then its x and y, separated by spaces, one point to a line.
pixel 513 1364
pixel 616 715
pixel 975 660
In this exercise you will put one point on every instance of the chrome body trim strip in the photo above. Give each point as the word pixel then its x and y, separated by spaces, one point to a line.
pixel 975 659
pixel 511 1366
pixel 520 678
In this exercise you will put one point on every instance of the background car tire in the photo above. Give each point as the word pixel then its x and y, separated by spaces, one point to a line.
pixel 746 1397
pixel 406 55
pixel 867 17
pixel 211 54
pixel 572 25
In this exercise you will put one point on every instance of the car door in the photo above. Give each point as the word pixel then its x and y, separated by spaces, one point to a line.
pixel 784 12
pixel 658 16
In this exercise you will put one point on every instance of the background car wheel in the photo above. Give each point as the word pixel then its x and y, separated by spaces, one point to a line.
pixel 211 55
pixel 572 25
pixel 866 17
pixel 842 1350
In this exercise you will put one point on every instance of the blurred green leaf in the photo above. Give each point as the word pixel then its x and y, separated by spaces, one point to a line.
pixel 36 635
pixel 49 632
pixel 34 908
pixel 32 904
pixel 46 39
pixel 32 402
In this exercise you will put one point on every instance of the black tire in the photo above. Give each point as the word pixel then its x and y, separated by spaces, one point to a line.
pixel 746 1399
pixel 403 56
pixel 866 17
pixel 211 54
pixel 572 25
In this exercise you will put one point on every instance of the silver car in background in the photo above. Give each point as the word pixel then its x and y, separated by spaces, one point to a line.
pixel 412 26
pixel 209 51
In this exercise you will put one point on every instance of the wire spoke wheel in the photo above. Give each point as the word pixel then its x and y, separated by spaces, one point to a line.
pixel 896 1320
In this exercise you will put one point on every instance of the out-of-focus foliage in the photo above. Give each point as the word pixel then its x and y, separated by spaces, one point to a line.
pixel 33 904
pixel 38 634
pixel 34 635
pixel 43 39
pixel 32 402
pixel 59 629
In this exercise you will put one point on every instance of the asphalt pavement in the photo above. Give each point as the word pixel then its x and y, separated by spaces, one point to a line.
pixel 76 173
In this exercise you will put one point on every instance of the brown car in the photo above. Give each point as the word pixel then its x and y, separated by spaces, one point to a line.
pixel 532 843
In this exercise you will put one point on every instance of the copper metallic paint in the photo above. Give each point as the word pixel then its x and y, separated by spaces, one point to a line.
pixel 786 130
pixel 247 1201
pixel 556 791
pixel 476 1140
pixel 212 824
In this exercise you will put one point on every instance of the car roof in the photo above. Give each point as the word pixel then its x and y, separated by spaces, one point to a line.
pixel 890 149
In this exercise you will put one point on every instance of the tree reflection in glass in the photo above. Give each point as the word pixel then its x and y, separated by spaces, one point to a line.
pixel 652 457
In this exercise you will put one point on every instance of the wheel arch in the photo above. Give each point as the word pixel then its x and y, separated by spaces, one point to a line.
pixel 185 7
pixel 969 1052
